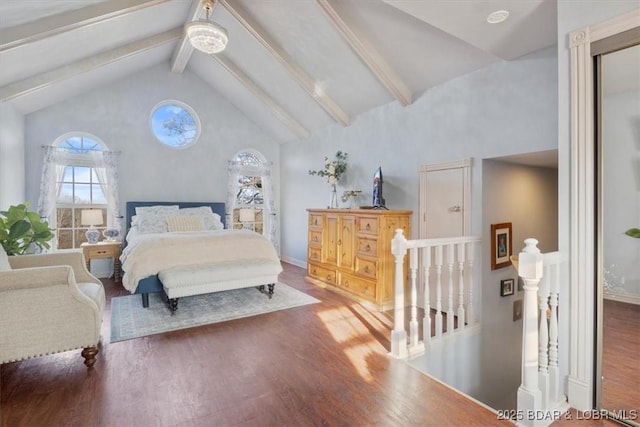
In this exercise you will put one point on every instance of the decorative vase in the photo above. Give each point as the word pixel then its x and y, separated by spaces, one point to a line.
pixel 333 198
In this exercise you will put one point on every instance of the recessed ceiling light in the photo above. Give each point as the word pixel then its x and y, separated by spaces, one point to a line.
pixel 497 16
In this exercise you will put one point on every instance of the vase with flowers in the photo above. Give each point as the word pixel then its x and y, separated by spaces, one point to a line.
pixel 332 172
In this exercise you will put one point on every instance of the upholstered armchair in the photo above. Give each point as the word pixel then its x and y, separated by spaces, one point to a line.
pixel 49 303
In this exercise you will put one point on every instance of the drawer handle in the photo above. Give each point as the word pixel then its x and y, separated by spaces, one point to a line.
pixel 366 269
pixel 339 242
pixel 101 252
pixel 367 248
pixel 368 227
pixel 315 222
pixel 328 277
pixel 315 238
pixel 314 271
pixel 346 283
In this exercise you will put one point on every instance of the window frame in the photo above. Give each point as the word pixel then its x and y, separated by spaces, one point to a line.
pixel 188 109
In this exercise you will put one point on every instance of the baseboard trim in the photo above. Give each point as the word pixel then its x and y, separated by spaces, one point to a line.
pixel 618 296
pixel 294 261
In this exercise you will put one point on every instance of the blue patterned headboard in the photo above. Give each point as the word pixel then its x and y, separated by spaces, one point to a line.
pixel 216 207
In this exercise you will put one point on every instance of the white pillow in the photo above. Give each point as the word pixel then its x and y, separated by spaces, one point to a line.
pixel 185 223
pixel 157 210
pixel 148 223
pixel 211 220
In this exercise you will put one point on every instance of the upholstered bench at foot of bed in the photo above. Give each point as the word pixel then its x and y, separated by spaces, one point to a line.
pixel 201 279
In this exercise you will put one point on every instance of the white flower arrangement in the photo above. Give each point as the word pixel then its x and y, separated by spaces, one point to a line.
pixel 333 169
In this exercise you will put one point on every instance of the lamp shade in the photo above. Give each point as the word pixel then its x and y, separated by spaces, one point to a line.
pixel 247 215
pixel 91 217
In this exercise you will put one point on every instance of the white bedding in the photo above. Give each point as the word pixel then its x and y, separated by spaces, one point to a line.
pixel 147 254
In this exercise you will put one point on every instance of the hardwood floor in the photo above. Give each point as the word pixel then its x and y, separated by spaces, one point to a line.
pixel 320 364
pixel 620 351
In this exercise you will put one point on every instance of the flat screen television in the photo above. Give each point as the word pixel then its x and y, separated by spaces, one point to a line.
pixel 378 200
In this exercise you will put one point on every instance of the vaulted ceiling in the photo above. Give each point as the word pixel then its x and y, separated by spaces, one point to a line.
pixel 291 66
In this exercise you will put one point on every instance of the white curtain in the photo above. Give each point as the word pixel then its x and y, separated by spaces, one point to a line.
pixel 53 166
pixel 106 168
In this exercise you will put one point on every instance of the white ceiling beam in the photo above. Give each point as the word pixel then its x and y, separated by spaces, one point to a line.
pixel 372 58
pixel 184 50
pixel 41 81
pixel 300 75
pixel 263 96
pixel 11 38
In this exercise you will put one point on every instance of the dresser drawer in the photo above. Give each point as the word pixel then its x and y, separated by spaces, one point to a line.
pixel 368 225
pixel 315 220
pixel 324 274
pixel 315 237
pixel 315 253
pixel 367 246
pixel 366 267
pixel 357 286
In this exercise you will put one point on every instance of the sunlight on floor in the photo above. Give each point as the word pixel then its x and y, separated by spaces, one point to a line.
pixel 336 320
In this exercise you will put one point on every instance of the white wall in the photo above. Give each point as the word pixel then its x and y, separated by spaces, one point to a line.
pixel 621 203
pixel 119 115
pixel 12 156
pixel 504 109
pixel 527 197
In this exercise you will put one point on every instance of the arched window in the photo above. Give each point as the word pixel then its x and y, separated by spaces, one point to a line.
pixel 79 173
pixel 250 202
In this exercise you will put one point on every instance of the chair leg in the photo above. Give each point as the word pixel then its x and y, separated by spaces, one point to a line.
pixel 89 354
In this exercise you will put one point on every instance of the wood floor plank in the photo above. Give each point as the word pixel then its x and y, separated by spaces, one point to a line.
pixel 320 364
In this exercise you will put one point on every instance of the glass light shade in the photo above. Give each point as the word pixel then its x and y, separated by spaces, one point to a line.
pixel 206 36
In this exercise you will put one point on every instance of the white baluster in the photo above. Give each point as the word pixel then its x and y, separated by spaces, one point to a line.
pixel 450 312
pixel 426 270
pixel 543 339
pixel 438 291
pixel 530 269
pixel 471 314
pixel 413 323
pixel 460 250
pixel 399 334
pixel 554 374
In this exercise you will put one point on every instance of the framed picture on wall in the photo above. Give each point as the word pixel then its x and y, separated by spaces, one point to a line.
pixel 506 287
pixel 500 245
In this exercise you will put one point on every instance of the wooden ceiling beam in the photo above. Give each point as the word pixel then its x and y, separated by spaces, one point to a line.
pixel 11 38
pixel 41 81
pixel 184 50
pixel 262 95
pixel 296 71
pixel 371 57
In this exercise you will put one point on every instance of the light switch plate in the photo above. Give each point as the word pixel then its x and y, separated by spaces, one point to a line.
pixel 517 310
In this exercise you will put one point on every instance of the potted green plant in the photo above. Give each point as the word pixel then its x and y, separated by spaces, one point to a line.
pixel 21 228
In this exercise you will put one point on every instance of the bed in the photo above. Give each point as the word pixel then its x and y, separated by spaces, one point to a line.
pixel 209 256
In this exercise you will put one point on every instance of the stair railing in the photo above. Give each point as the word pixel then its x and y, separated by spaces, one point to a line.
pixel 435 263
pixel 540 391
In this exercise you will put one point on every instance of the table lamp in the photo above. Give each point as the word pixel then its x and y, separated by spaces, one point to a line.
pixel 247 216
pixel 91 217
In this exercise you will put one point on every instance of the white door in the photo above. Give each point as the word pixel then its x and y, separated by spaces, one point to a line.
pixel 445 199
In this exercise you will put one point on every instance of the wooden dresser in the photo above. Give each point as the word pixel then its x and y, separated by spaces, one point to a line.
pixel 350 252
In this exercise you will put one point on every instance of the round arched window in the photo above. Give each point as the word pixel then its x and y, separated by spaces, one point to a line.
pixel 175 124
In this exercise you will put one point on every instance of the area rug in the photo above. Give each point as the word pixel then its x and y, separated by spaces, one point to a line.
pixel 130 320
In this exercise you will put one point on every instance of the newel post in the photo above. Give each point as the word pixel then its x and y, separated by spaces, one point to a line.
pixel 529 396
pixel 399 333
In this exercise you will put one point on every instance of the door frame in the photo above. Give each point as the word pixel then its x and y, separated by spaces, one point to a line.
pixel 464 164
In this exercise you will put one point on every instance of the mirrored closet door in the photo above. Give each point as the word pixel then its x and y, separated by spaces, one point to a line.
pixel 618 195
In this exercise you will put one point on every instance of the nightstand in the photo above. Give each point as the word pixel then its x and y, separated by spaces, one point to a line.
pixel 103 250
